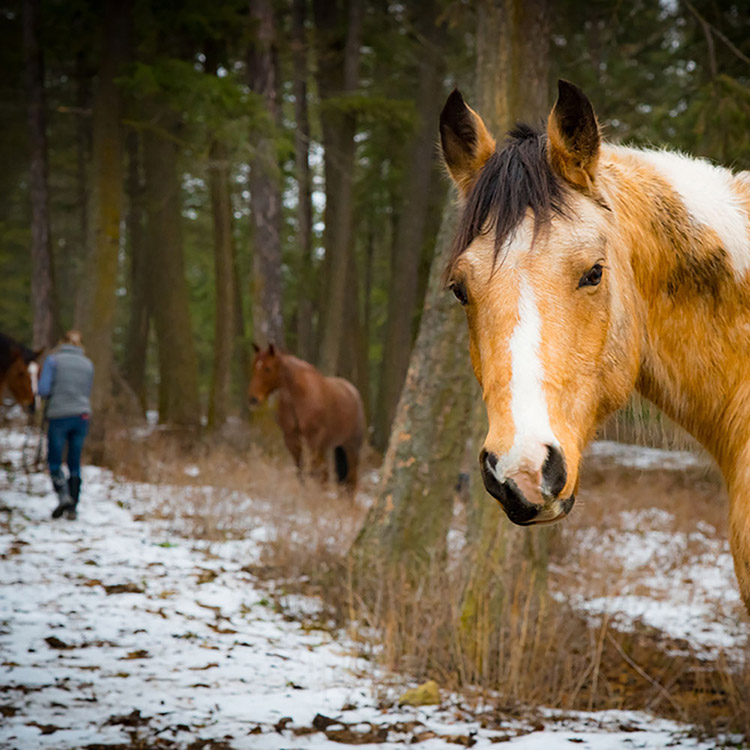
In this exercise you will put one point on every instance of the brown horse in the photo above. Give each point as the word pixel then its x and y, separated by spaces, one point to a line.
pixel 15 369
pixel 587 270
pixel 319 416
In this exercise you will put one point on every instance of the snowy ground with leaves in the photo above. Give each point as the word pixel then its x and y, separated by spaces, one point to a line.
pixel 114 632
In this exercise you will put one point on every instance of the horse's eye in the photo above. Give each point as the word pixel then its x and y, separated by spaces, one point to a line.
pixel 592 277
pixel 459 291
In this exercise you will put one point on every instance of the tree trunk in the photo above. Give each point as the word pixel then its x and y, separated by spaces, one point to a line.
pixel 407 249
pixel 95 314
pixel 265 183
pixel 306 286
pixel 513 84
pixel 243 357
pixel 168 294
pixel 136 343
pixel 407 525
pixel 338 29
pixel 221 378
pixel 42 279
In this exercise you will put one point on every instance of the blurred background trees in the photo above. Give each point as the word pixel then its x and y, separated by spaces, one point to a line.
pixel 181 177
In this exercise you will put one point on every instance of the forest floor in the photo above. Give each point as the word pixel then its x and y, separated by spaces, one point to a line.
pixel 146 624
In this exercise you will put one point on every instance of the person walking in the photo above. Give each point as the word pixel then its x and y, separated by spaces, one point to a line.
pixel 66 380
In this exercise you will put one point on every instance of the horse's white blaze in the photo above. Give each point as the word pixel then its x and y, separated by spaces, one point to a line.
pixel 707 194
pixel 34 375
pixel 533 432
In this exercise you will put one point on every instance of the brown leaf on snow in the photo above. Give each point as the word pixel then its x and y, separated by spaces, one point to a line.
pixel 124 588
pixel 44 728
pixel 54 642
pixel 140 653
pixel 133 719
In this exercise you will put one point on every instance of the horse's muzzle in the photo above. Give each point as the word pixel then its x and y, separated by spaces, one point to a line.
pixel 519 509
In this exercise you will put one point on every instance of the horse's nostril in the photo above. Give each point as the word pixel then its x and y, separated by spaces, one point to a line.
pixel 488 460
pixel 253 401
pixel 554 471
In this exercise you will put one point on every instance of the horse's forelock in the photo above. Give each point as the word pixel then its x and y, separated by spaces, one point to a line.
pixel 514 179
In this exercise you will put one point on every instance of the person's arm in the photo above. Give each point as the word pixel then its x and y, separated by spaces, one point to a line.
pixel 47 378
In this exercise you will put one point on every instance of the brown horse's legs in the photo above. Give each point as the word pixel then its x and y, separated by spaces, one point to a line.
pixel 319 466
pixel 293 443
pixel 349 483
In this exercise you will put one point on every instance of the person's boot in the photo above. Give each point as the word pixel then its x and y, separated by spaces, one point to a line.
pixel 63 496
pixel 74 488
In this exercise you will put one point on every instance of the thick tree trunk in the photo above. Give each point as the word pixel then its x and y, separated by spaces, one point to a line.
pixel 306 286
pixel 221 208
pixel 339 28
pixel 407 249
pixel 265 182
pixel 407 525
pixel 42 280
pixel 136 344
pixel 513 84
pixel 168 294
pixel 95 314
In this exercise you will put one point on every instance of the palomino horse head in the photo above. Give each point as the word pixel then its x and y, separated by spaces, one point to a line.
pixel 20 376
pixel 266 374
pixel 553 328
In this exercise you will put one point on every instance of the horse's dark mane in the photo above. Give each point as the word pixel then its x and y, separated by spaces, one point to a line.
pixel 514 179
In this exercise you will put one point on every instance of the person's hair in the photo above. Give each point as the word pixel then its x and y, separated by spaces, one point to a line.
pixel 73 337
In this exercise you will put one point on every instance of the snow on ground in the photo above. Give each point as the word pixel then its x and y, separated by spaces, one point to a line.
pixel 639 457
pixel 681 584
pixel 115 632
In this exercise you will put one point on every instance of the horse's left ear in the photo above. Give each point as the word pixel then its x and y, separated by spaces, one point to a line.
pixel 465 140
pixel 271 349
pixel 573 137
pixel 35 355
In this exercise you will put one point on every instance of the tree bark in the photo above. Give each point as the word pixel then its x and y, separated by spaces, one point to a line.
pixel 513 83
pixel 407 248
pixel 306 286
pixel 339 28
pixel 221 208
pixel 407 525
pixel 168 294
pixel 95 314
pixel 42 278
pixel 136 343
pixel 265 182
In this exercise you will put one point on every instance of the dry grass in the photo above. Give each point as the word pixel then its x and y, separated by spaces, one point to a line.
pixel 518 646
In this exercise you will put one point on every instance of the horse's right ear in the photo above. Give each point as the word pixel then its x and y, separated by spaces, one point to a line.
pixel 573 137
pixel 465 141
pixel 256 348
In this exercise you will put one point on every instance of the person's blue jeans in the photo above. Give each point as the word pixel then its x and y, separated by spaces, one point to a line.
pixel 70 430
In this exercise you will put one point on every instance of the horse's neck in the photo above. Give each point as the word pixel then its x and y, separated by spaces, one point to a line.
pixel 294 372
pixel 687 226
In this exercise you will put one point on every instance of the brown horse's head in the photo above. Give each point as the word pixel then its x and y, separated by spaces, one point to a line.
pixel 547 291
pixel 266 374
pixel 20 376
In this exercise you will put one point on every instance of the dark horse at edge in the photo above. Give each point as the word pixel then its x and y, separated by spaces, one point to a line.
pixel 15 360
pixel 321 417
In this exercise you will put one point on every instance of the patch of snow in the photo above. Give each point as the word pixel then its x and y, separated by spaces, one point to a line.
pixel 114 629
pixel 640 457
